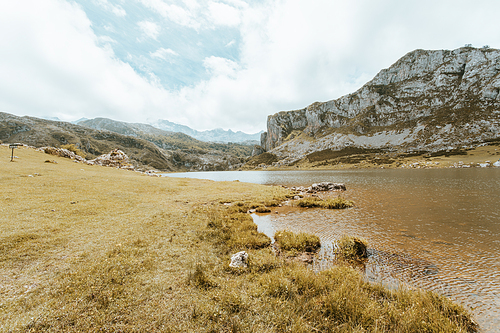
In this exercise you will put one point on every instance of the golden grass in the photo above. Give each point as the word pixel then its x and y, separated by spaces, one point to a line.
pixel 295 243
pixel 337 203
pixel 93 249
pixel 352 247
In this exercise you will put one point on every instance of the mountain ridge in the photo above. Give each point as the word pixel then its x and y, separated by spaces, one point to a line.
pixel 427 100
pixel 146 146
pixel 214 135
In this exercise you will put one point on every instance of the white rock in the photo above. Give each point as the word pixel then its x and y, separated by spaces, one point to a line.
pixel 239 259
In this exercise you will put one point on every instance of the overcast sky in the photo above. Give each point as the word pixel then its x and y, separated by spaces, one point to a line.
pixel 214 63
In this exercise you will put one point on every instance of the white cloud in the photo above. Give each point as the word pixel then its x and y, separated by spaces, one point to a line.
pixel 51 64
pixel 223 14
pixel 115 9
pixel 231 43
pixel 220 66
pixel 163 53
pixel 149 29
pixel 291 53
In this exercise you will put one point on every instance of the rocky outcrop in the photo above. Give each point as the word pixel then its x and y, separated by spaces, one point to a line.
pixel 116 159
pixel 427 100
pixel 320 187
pixel 61 152
pixel 257 150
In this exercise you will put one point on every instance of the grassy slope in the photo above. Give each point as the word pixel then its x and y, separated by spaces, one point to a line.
pixel 87 248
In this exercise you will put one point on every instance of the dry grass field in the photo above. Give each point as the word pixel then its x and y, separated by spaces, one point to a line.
pixel 95 249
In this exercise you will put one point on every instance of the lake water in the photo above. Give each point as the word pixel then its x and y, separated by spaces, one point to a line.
pixel 437 229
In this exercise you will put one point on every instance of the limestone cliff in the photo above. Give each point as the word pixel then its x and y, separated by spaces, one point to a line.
pixel 427 100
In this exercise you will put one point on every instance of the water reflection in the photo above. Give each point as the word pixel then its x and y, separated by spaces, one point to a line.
pixel 435 229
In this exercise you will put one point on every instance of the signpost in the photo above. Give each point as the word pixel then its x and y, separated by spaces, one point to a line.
pixel 14 146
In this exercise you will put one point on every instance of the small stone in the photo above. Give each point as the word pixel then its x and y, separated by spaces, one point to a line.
pixel 239 259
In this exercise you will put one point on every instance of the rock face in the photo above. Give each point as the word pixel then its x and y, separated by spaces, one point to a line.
pixel 427 100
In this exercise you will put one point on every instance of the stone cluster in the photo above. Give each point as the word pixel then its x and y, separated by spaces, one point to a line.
pixel 320 187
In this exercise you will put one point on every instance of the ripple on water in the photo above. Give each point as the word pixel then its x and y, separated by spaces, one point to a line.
pixel 400 254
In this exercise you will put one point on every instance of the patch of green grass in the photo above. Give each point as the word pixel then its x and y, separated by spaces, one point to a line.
pixel 301 242
pixel 337 203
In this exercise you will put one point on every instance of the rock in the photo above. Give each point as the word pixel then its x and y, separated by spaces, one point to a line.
pixel 115 158
pixel 257 150
pixel 239 259
pixel 326 186
pixel 61 153
pixel 496 164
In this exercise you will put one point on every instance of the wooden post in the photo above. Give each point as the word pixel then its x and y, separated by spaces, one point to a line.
pixel 13 146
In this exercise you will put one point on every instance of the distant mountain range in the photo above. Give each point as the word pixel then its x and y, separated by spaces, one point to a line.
pixel 215 135
pixel 146 145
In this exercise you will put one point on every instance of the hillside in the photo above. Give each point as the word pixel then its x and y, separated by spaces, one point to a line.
pixel 146 146
pixel 428 101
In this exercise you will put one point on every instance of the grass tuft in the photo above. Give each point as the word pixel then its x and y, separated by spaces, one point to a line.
pixel 352 247
pixel 337 203
pixel 301 242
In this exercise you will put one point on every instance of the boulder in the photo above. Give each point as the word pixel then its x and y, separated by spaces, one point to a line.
pixel 239 259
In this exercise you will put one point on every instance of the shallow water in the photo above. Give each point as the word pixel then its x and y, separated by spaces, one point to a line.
pixel 437 229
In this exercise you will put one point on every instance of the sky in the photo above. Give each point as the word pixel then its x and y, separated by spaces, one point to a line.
pixel 214 63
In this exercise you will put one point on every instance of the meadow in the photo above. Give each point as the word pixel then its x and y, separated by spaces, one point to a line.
pixel 94 249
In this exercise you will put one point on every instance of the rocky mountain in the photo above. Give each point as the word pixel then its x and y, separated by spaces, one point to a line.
pixel 426 101
pixel 41 132
pixel 216 135
pixel 145 145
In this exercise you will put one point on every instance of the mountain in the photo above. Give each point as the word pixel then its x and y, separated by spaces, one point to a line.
pixel 41 132
pixel 426 101
pixel 146 146
pixel 216 135
pixel 168 140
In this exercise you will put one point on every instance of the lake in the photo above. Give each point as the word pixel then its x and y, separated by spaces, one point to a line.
pixel 437 229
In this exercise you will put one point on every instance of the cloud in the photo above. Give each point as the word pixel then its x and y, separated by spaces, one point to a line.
pixel 51 64
pixel 290 54
pixel 220 66
pixel 149 29
pixel 105 4
pixel 223 14
pixel 163 53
